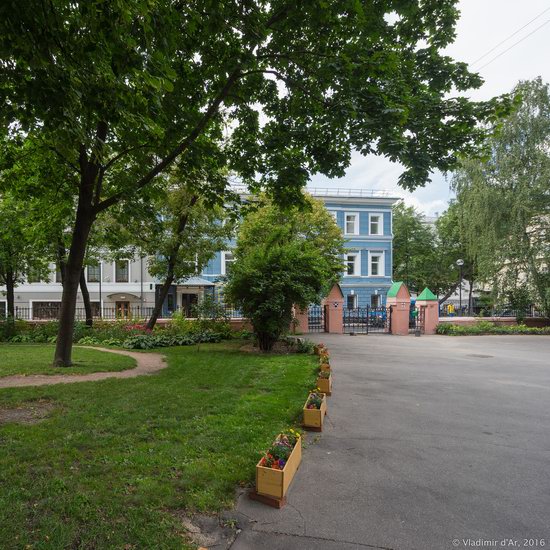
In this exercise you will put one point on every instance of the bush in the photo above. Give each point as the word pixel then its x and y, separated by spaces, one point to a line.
pixel 486 327
pixel 150 341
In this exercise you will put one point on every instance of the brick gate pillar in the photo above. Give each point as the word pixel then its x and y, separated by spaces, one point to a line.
pixel 428 301
pixel 399 299
pixel 301 323
pixel 334 311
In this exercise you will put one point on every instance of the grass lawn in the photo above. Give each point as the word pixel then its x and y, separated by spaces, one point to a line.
pixel 37 359
pixel 117 460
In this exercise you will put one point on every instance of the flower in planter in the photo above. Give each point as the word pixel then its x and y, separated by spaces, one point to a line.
pixel 277 455
pixel 315 400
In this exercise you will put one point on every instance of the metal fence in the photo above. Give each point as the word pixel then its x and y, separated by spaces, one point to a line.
pixel 316 318
pixel 451 309
pixel 42 313
pixel 364 320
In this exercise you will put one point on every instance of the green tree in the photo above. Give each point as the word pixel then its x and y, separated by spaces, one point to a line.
pixel 121 90
pixel 283 258
pixel 506 200
pixel 185 234
pixel 21 254
pixel 413 249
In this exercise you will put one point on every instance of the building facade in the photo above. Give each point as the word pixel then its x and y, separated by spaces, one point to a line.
pixel 125 288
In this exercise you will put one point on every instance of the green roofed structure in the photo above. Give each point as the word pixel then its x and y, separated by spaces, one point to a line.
pixel 426 295
pixel 394 289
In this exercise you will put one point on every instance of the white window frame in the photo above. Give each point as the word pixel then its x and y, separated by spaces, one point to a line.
pixel 355 301
pixel 100 264
pixel 381 264
pixel 224 261
pixel 334 214
pixel 129 271
pixel 380 216
pixel 356 265
pixel 355 223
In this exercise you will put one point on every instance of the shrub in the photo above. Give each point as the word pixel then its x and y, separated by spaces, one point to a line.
pixel 486 327
pixel 150 341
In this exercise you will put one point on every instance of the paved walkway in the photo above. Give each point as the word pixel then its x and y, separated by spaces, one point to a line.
pixel 147 363
pixel 432 442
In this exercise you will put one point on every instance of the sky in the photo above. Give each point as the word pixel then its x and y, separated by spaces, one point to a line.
pixel 483 25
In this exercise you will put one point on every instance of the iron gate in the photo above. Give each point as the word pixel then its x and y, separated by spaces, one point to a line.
pixel 316 318
pixel 416 320
pixel 362 320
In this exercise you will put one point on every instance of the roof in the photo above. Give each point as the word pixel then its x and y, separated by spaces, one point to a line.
pixel 196 281
pixel 394 289
pixel 427 295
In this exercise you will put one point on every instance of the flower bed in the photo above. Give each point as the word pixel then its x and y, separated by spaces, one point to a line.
pixel 315 410
pixel 276 469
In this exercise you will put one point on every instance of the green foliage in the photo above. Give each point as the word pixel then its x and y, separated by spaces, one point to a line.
pixel 210 316
pixel 283 258
pixel 486 327
pixel 520 300
pixel 506 199
pixel 150 341
pixel 426 257
pixel 40 333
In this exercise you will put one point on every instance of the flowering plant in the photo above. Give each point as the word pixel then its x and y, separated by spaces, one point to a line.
pixel 324 374
pixel 315 399
pixel 277 455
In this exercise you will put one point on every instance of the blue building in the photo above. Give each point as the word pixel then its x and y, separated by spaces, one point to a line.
pixel 365 218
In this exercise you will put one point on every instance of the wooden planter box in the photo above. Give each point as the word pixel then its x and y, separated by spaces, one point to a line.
pixel 314 418
pixel 325 384
pixel 273 484
pixel 325 367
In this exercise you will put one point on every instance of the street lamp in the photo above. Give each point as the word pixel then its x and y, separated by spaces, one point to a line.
pixel 460 263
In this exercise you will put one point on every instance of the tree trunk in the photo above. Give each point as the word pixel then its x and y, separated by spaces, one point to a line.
pixel 449 293
pixel 73 270
pixel 10 295
pixel 182 223
pixel 86 299
pixel 159 302
pixel 470 296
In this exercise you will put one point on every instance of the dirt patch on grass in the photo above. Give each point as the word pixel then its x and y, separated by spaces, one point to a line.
pixel 27 413
pixel 280 348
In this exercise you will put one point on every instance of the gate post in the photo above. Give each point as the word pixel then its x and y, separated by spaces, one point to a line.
pixel 334 311
pixel 399 297
pixel 301 323
pixel 428 301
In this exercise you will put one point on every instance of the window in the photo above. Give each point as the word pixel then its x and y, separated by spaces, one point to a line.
pixel 58 276
pixel 93 273
pixel 170 302
pixel 375 224
pixel 96 306
pixel 375 300
pixel 376 264
pixel 122 271
pixel 334 214
pixel 352 224
pixel 3 310
pixel 352 267
pixel 46 310
pixel 351 301
pixel 227 260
